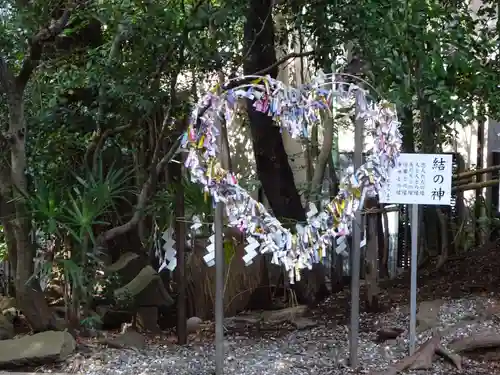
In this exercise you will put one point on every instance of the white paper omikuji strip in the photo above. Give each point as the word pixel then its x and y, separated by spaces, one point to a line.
pixel 209 257
pixel 170 252
pixel 363 241
pixel 194 230
pixel 341 246
pixel 196 223
pixel 253 244
pixel 195 227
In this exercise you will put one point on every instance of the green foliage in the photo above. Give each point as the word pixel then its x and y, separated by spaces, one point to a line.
pixel 91 322
pixel 125 301
pixel 96 196
pixel 3 245
pixel 75 215
pixel 108 285
pixel 195 201
pixel 432 58
pixel 229 250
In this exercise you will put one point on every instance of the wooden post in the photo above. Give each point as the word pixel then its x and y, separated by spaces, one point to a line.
pixel 180 241
pixel 479 208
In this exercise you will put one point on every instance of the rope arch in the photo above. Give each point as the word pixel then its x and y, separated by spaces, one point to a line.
pixel 294 110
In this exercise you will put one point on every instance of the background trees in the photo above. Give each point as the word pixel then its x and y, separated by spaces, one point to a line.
pixel 94 96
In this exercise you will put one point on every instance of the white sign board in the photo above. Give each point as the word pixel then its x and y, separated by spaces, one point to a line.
pixel 419 179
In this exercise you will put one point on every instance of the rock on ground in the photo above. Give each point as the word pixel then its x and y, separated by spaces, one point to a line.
pixel 7 303
pixel 6 328
pixel 128 339
pixel 42 347
pixel 428 314
pixel 193 324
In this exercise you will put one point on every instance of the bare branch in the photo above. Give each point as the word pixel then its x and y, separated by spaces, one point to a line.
pixel 261 72
pixel 283 60
pixel 257 34
pixel 100 142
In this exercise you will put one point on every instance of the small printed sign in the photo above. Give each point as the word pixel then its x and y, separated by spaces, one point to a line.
pixel 419 179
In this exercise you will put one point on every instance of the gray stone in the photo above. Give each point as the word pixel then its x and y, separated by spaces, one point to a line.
pixel 193 324
pixel 6 328
pixel 7 303
pixel 129 339
pixel 304 323
pixel 243 319
pixel 50 346
pixel 289 314
pixel 428 314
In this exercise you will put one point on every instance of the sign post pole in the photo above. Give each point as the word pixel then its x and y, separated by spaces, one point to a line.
pixel 418 179
pixel 219 283
pixel 356 252
pixel 414 265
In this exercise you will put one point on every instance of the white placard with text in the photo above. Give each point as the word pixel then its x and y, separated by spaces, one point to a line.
pixel 419 179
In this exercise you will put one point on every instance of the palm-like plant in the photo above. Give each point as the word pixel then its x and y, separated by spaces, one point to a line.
pixel 73 214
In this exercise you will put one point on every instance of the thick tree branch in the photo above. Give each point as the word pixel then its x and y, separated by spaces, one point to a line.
pixel 283 60
pixel 142 200
pixel 99 142
pixel 324 156
pixel 157 164
pixel 36 43
pixel 6 77
pixel 115 49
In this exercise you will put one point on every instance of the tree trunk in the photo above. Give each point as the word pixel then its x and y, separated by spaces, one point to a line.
pixel 28 294
pixel 479 207
pixel 271 159
pixel 273 168
pixel 383 243
pixel 6 214
pixel 429 138
pixel 371 263
pixel 30 298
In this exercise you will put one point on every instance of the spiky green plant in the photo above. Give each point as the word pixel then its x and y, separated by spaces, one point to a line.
pixel 74 212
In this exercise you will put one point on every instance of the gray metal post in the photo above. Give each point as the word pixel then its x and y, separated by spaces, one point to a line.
pixel 413 286
pixel 219 284
pixel 356 252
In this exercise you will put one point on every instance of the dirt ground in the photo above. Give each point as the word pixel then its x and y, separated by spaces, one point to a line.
pixel 475 273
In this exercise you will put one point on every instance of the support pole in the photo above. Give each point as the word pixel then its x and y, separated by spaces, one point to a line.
pixel 219 284
pixel 413 285
pixel 356 252
pixel 180 235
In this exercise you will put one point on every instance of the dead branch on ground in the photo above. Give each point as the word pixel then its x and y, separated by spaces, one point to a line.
pixel 480 340
pixel 423 357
